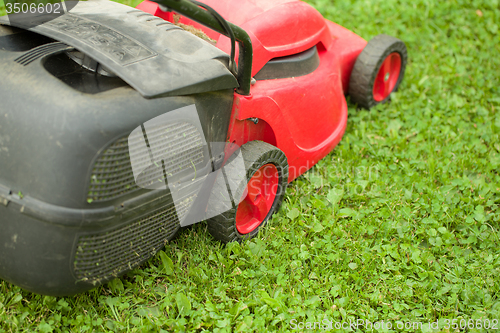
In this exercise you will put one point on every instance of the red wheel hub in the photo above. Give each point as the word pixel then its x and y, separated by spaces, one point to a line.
pixel 387 77
pixel 258 199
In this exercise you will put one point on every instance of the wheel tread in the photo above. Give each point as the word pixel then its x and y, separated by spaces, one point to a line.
pixel 367 65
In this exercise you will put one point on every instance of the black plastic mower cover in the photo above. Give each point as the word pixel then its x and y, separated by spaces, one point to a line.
pixel 155 57
pixel 72 213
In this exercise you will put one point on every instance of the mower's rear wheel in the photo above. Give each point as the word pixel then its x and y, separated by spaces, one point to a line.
pixel 378 71
pixel 265 184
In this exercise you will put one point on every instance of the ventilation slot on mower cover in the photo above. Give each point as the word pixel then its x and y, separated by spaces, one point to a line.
pixel 112 175
pixel 103 256
pixel 42 51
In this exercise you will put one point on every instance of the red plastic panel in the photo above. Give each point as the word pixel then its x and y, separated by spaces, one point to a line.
pixel 307 114
pixel 277 28
pixel 304 116
pixel 347 45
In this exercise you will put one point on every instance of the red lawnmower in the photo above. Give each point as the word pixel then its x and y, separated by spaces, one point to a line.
pixel 129 107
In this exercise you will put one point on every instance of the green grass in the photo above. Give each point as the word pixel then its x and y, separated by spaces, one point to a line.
pixel 399 223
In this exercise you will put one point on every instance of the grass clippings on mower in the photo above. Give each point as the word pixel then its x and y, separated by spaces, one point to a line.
pixel 189 28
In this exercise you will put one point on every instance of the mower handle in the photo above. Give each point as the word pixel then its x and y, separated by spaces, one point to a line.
pixel 245 58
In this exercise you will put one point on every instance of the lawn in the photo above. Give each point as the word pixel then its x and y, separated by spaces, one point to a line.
pixel 400 223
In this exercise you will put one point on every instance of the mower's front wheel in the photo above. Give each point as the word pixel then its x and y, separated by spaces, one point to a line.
pixel 265 184
pixel 378 71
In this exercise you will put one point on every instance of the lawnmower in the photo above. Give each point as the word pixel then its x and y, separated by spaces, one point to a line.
pixel 118 126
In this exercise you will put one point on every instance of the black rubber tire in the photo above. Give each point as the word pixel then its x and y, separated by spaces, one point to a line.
pixel 255 155
pixel 367 66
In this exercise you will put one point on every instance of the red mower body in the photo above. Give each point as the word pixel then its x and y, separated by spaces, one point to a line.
pixel 304 116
